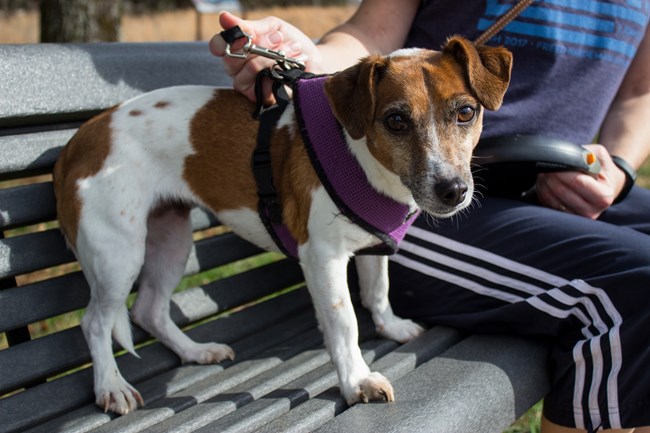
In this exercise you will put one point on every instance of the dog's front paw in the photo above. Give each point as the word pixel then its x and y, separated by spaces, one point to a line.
pixel 375 387
pixel 401 330
pixel 122 399
pixel 208 353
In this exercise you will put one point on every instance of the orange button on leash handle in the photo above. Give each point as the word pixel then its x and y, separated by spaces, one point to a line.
pixel 592 163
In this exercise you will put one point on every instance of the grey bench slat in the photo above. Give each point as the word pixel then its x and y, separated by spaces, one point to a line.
pixel 24 254
pixel 27 204
pixel 280 401
pixel 478 379
pixel 219 250
pixel 21 306
pixel 272 408
pixel 223 396
pixel 35 203
pixel 30 153
pixel 317 411
pixel 53 83
pixel 73 391
pixel 181 388
pixel 219 401
pixel 36 360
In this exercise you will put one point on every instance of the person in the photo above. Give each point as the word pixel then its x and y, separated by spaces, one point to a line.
pixel 575 266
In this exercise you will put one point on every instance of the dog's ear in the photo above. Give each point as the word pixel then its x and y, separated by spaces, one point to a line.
pixel 487 68
pixel 351 94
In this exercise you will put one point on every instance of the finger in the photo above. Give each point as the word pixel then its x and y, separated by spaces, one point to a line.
pixel 546 195
pixel 570 192
pixel 217 44
pixel 244 72
pixel 265 32
pixel 244 82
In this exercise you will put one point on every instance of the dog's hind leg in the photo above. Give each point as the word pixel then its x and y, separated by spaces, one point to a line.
pixel 168 244
pixel 373 282
pixel 111 264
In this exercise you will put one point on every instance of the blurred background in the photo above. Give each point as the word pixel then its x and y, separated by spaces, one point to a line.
pixel 34 21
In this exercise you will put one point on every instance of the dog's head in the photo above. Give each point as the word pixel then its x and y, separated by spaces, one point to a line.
pixel 421 113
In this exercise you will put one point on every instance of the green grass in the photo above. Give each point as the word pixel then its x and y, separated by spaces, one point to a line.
pixel 530 422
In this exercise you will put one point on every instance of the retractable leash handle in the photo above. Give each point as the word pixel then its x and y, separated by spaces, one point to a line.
pixel 234 34
pixel 536 153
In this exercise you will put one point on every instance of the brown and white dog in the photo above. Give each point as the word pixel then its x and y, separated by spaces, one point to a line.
pixel 125 183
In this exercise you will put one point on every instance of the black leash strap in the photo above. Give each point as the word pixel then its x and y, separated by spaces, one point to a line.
pixel 232 34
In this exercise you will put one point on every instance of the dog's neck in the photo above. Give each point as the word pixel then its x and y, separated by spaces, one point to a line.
pixel 379 177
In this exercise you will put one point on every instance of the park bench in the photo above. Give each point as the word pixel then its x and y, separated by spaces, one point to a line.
pixel 445 381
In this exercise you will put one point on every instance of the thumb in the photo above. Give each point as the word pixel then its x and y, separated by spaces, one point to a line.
pixel 226 20
pixel 265 32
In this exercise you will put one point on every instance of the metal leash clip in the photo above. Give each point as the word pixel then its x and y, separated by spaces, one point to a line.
pixel 280 57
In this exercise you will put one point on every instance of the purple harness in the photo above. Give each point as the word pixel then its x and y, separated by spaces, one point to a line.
pixel 341 175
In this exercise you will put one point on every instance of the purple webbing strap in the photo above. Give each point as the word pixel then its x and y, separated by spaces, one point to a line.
pixel 339 170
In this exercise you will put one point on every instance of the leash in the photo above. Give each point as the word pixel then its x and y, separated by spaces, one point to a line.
pixel 503 21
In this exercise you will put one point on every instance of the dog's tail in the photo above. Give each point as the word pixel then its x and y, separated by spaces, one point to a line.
pixel 122 331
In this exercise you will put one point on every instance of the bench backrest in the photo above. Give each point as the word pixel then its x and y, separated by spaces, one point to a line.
pixel 46 92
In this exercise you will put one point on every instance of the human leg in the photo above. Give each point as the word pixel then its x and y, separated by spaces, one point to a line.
pixel 633 212
pixel 511 267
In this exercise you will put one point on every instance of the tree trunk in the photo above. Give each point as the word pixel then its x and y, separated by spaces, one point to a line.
pixel 80 20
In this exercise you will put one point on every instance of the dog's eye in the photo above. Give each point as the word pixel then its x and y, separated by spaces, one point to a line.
pixel 465 114
pixel 397 122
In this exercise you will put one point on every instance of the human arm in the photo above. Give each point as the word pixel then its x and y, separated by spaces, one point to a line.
pixel 625 133
pixel 378 26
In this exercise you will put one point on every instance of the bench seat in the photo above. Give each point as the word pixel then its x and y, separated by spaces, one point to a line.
pixel 282 379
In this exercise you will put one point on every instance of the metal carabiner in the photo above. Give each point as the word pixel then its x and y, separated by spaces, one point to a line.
pixel 279 56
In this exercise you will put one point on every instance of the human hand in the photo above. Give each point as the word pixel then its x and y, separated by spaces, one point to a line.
pixel 272 33
pixel 579 193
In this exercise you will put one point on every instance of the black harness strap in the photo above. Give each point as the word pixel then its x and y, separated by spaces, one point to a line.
pixel 269 207
pixel 268 204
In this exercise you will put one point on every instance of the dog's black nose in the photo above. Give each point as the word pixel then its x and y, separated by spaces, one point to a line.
pixel 451 192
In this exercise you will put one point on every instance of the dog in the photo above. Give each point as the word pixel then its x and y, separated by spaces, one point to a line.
pixel 125 183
